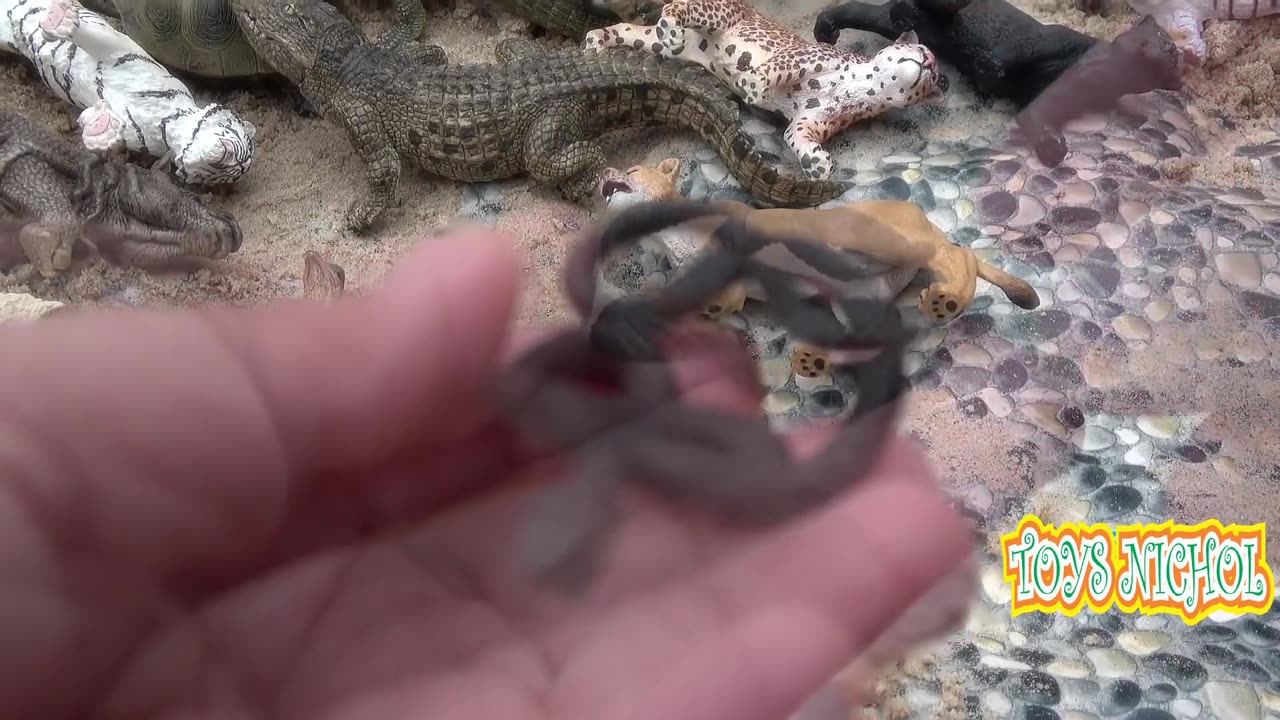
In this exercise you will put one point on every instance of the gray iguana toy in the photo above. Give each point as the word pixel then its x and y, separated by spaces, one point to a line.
pixel 58 198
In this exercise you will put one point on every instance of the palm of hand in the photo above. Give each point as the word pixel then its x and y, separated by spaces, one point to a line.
pixel 343 562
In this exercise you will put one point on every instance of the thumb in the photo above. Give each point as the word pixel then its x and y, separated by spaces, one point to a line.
pixel 348 385
pixel 168 436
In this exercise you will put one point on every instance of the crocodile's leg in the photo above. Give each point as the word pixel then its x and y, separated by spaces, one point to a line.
pixel 35 190
pixel 554 153
pixel 706 18
pixel 406 37
pixel 514 49
pixel 411 21
pixel 382 161
pixel 424 53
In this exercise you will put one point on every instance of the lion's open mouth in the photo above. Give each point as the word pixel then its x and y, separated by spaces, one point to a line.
pixel 613 185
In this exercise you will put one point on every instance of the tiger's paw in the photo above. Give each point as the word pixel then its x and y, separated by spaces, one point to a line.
pixel 101 129
pixel 60 20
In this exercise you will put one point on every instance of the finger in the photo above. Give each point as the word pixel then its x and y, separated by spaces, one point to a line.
pixel 180 440
pixel 837 579
pixel 351 386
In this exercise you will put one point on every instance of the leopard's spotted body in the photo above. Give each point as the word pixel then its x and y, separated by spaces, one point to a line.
pixel 821 89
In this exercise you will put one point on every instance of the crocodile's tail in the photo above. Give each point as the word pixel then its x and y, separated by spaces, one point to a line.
pixel 716 116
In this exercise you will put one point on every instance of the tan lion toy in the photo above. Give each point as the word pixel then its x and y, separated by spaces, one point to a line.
pixel 892 239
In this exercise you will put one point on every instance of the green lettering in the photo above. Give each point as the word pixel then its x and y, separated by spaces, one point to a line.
pixel 1052 555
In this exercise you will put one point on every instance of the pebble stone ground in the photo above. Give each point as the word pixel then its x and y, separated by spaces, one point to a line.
pixel 1114 251
pixel 1117 254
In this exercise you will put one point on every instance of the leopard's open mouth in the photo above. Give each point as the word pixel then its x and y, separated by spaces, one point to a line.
pixel 937 95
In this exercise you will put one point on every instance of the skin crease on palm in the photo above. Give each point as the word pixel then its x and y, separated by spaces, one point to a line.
pixel 304 511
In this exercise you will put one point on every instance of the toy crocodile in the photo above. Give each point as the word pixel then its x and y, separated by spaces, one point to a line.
pixel 1004 52
pixel 477 123
pixel 57 194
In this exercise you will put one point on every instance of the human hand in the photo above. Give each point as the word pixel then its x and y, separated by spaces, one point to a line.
pixel 308 511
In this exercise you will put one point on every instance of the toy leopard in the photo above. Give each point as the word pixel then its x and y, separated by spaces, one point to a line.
pixel 822 90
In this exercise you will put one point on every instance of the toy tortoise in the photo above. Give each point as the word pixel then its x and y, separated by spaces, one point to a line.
pixel 202 37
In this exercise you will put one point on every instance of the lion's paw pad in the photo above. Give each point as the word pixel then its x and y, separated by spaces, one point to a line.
pixel 60 20
pixel 810 364
pixel 940 305
pixel 716 310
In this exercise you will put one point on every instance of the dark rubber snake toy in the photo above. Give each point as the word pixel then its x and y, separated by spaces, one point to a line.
pixel 607 401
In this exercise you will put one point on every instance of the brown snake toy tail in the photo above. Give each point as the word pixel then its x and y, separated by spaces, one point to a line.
pixel 607 401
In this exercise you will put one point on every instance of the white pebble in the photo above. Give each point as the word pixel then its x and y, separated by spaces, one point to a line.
pixel 1068 668
pixel 997 703
pixel 1162 427
pixel 1143 642
pixel 1003 663
pixel 1128 436
pixel 1108 663
pixel 1233 701
pixel 1240 268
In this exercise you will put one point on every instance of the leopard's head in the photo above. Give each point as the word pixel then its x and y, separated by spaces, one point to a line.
pixel 639 184
pixel 910 73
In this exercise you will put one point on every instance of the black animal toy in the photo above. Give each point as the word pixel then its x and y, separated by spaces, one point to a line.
pixel 1002 51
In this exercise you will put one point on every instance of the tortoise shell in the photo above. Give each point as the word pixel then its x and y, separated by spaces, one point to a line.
pixel 198 36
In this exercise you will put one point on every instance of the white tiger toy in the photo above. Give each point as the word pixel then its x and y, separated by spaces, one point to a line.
pixel 821 89
pixel 127 99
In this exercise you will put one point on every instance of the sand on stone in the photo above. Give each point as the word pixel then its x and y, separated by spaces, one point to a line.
pixel 1238 88
pixel 1188 373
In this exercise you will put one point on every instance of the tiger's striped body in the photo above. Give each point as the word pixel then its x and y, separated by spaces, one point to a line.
pixel 126 98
